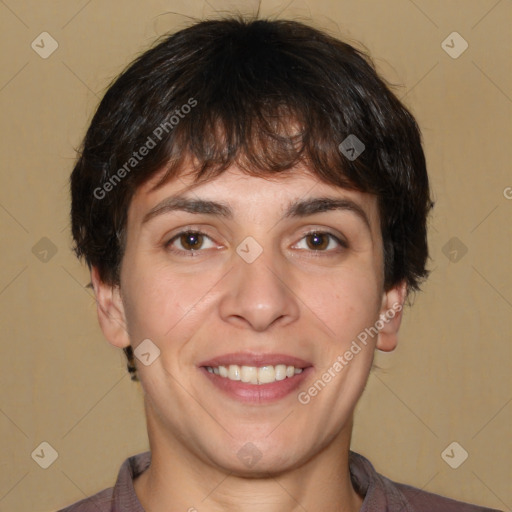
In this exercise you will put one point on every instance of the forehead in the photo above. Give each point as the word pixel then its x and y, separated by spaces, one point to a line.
pixel 255 196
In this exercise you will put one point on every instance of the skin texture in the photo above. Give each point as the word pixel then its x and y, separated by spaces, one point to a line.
pixel 294 299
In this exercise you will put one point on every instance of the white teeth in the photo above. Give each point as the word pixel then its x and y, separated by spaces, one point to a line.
pixel 234 372
pixel 280 372
pixel 249 374
pixel 255 375
pixel 266 374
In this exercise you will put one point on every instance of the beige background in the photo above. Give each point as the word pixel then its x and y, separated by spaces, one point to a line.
pixel 449 380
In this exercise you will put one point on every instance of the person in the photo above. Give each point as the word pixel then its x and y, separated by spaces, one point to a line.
pixel 251 200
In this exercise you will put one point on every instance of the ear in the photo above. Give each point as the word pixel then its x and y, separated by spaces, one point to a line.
pixel 111 315
pixel 391 316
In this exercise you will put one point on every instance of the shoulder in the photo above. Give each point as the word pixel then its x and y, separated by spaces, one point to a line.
pixel 422 501
pixel 122 495
pixel 381 493
pixel 99 502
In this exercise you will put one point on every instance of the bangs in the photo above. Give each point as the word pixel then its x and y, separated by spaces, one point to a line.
pixel 260 139
pixel 261 105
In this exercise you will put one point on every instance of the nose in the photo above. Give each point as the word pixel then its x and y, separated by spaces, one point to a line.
pixel 259 294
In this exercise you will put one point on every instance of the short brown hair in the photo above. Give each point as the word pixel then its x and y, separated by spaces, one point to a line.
pixel 265 95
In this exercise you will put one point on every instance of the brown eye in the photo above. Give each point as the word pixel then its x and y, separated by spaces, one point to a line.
pixel 321 242
pixel 189 242
pixel 318 241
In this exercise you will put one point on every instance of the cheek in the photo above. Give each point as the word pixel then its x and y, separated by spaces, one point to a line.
pixel 159 302
pixel 346 302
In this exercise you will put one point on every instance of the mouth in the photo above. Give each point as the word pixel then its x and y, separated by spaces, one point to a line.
pixel 256 378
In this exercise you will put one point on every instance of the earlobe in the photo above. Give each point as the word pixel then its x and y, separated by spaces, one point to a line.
pixel 391 317
pixel 110 309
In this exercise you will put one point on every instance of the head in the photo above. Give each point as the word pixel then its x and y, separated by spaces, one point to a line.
pixel 247 121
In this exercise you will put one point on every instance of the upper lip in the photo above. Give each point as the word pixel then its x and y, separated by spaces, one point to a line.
pixel 255 359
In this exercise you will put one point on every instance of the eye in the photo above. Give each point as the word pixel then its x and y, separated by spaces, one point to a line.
pixel 190 241
pixel 320 241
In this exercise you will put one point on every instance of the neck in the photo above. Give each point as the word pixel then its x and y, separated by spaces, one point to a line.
pixel 178 480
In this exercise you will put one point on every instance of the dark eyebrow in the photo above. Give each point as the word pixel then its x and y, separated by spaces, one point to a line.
pixel 183 204
pixel 303 208
pixel 325 204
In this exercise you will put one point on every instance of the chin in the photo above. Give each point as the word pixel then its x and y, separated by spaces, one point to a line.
pixel 250 462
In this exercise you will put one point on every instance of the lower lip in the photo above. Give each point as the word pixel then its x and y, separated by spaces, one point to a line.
pixel 257 393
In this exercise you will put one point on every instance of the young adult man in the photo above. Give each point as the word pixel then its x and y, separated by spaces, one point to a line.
pixel 251 200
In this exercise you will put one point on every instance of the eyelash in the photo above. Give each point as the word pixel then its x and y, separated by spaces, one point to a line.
pixel 192 253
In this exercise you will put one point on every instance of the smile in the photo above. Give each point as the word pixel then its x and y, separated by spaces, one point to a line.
pixel 256 378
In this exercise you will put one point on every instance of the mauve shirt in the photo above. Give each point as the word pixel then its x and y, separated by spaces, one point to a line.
pixel 380 493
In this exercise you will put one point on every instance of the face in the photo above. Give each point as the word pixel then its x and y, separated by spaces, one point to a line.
pixel 255 294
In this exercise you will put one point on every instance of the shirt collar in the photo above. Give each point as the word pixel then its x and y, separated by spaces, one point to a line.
pixel 379 492
pixel 124 498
